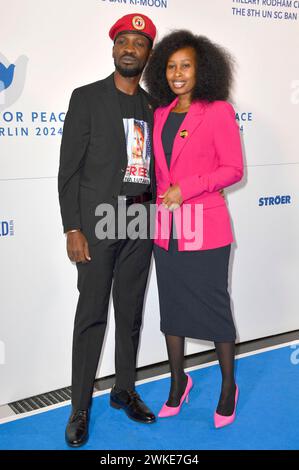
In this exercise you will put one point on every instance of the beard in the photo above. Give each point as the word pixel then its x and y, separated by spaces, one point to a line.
pixel 129 71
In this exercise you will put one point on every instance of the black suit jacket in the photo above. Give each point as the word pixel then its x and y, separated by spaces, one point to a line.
pixel 93 155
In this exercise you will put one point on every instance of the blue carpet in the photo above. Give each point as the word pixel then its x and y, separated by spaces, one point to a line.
pixel 267 414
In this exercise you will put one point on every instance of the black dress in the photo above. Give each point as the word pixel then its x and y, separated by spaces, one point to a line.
pixel 193 296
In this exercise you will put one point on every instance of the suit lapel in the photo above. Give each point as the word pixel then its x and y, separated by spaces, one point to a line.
pixel 149 117
pixel 191 122
pixel 111 102
pixel 158 129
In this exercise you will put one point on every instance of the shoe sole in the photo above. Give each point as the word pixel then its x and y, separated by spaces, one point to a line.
pixel 77 445
pixel 118 407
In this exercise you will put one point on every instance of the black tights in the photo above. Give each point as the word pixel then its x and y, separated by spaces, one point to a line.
pixel 226 356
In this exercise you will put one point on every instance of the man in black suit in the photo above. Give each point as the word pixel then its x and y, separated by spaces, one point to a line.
pixel 105 158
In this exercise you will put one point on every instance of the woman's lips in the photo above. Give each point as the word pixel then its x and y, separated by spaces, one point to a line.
pixel 178 84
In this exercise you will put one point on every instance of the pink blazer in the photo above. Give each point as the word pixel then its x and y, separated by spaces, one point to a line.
pixel 205 158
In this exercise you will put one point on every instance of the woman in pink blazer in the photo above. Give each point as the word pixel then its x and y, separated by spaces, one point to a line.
pixel 197 153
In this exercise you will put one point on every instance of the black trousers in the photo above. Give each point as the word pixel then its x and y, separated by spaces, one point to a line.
pixel 125 264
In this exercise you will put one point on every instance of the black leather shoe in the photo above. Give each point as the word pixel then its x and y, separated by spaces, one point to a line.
pixel 76 433
pixel 131 403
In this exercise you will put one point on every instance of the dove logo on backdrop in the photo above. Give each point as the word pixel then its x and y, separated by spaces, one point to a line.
pixel 12 80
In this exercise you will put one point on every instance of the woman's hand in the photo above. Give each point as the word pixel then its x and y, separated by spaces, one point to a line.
pixel 172 198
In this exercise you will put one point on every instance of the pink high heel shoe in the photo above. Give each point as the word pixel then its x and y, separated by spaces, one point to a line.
pixel 220 420
pixel 167 411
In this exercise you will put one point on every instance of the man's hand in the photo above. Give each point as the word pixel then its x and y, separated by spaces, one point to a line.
pixel 172 198
pixel 77 247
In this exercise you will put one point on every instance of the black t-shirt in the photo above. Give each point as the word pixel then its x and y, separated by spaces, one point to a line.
pixel 169 133
pixel 138 139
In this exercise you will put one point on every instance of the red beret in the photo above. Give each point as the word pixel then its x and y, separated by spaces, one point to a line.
pixel 136 23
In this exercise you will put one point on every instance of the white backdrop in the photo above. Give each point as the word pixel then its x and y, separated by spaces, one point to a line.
pixel 58 45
